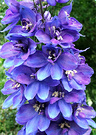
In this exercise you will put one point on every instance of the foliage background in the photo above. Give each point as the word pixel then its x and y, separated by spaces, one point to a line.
pixel 84 11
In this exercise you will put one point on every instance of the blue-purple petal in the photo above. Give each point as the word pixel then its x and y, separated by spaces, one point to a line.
pixel 56 72
pixel 65 108
pixel 36 60
pixel 53 110
pixel 25 113
pixel 43 123
pixel 31 90
pixel 43 91
pixel 44 72
pixel 32 125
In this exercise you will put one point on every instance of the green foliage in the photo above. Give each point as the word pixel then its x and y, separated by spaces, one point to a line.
pixel 84 11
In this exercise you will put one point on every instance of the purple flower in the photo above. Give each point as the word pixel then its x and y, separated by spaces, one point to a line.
pixel 28 76
pixel 12 14
pixel 23 132
pixel 66 20
pixel 18 79
pixel 65 127
pixel 52 62
pixel 17 94
pixel 78 78
pixel 32 113
pixel 17 51
pixel 53 2
pixel 61 101
pixel 83 114
pixel 56 33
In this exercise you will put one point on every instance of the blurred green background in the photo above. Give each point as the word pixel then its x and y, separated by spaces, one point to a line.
pixel 85 12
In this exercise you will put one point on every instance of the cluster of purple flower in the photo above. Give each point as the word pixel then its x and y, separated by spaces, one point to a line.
pixel 47 77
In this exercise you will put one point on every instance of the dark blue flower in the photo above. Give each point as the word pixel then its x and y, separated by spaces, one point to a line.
pixel 78 78
pixel 52 62
pixel 33 117
pixel 65 127
pixel 17 94
pixel 23 132
pixel 17 51
pixel 83 114
pixel 61 101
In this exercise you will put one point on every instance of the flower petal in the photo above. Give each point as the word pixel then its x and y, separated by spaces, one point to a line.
pixel 67 61
pixel 56 72
pixel 32 125
pixel 42 36
pixel 43 123
pixel 31 90
pixel 44 72
pixel 36 60
pixel 53 110
pixel 66 85
pixel 43 91
pixel 65 108
pixel 25 113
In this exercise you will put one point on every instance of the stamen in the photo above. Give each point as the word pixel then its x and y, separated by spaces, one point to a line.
pixel 32 76
pixel 39 107
pixel 60 38
pixel 53 28
pixel 79 110
pixel 70 72
pixel 27 26
pixel 64 125
pixel 58 94
pixel 17 85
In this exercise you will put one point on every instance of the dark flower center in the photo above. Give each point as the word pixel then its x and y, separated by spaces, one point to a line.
pixel 64 125
pixel 20 46
pixel 39 107
pixel 26 24
pixel 58 94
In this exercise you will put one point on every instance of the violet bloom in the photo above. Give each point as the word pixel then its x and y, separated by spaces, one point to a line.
pixel 32 115
pixel 23 132
pixel 26 75
pixel 66 20
pixel 78 78
pixel 61 101
pixel 61 29
pixel 52 62
pixel 19 11
pixel 17 94
pixel 83 114
pixel 17 51
pixel 12 14
pixel 18 79
pixel 56 33
pixel 29 19
pixel 65 127
pixel 53 2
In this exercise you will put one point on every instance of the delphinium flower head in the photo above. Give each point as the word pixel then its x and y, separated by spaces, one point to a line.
pixel 47 75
